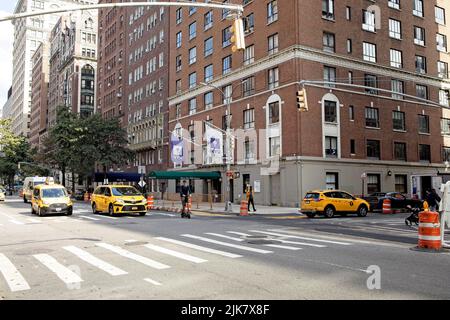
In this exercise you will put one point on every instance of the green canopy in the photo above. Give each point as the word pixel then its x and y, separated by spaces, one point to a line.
pixel 173 175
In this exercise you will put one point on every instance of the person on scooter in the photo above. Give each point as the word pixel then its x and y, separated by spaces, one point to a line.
pixel 185 193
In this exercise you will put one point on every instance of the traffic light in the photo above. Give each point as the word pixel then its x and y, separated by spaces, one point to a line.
pixel 238 37
pixel 302 102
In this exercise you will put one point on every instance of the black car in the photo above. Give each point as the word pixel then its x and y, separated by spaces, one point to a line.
pixel 374 198
pixel 79 195
pixel 398 201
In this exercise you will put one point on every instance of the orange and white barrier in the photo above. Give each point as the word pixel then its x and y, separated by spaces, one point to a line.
pixel 150 202
pixel 387 206
pixel 86 197
pixel 429 230
pixel 190 204
pixel 244 208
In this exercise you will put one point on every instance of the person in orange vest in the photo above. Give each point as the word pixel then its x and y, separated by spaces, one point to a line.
pixel 250 199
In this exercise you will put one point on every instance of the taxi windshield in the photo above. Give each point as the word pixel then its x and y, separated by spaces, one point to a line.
pixel 54 193
pixel 125 191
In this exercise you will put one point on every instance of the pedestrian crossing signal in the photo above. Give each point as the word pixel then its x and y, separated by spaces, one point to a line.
pixel 238 37
pixel 302 102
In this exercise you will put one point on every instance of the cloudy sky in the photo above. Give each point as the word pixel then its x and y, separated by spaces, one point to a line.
pixel 6 48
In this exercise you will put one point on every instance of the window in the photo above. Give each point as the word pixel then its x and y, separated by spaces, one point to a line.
pixel 192 106
pixel 249 55
pixel 272 11
pixel 192 55
pixel 331 150
pixel 273 78
pixel 397 86
pixel 208 20
pixel 373 183
pixel 444 97
pixel 398 121
pixel 192 10
pixel 400 151
pixel 442 69
pixel 372 118
pixel 249 118
pixel 373 149
pixel 396 58
pixel 328 42
pixel 273 43
pixel 418 8
pixel 421 64
pixel 274 112
pixel 441 42
pixel 330 110
pixel 178 85
pixel 440 15
pixel 178 63
pixel 208 46
pixel 275 148
pixel 394 4
pixel 419 36
pixel 248 86
pixel 401 183
pixel 424 123
pixel 329 75
pixel 424 152
pixel 208 73
pixel 228 92
pixel 226 37
pixel 178 110
pixel 351 113
pixel 349 46
pixel 368 23
pixel 225 12
pixel 179 39
pixel 192 30
pixel 192 80
pixel 226 65
pixel 369 52
pixel 348 13
pixel 352 147
pixel 179 15
pixel 332 180
pixel 328 9
pixel 371 82
pixel 422 91
pixel 445 126
pixel 208 100
pixel 249 23
pixel 248 149
pixel 446 154
pixel 395 29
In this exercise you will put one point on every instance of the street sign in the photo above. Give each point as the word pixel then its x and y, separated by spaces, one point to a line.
pixel 142 183
pixel 230 173
pixel 141 170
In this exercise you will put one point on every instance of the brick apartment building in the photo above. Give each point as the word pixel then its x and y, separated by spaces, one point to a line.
pixel 133 81
pixel 359 139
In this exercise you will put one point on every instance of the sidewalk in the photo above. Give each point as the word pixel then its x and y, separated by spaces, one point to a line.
pixel 219 208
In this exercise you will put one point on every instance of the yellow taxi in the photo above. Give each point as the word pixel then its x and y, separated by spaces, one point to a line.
pixel 118 199
pixel 50 198
pixel 331 202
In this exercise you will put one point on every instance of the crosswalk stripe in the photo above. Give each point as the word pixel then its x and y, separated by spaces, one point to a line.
pixel 298 237
pixel 65 274
pixel 302 243
pixel 96 262
pixel 127 254
pixel 15 280
pixel 200 248
pixel 175 254
pixel 16 222
pixel 156 283
pixel 283 247
pixel 227 244
pixel 225 237
pixel 34 220
pixel 89 218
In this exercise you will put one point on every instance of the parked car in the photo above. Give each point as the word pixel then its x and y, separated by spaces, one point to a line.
pixel 398 201
pixel 2 194
pixel 374 198
pixel 79 195
pixel 331 202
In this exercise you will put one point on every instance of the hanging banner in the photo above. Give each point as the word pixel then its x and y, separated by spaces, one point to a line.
pixel 214 146
pixel 177 146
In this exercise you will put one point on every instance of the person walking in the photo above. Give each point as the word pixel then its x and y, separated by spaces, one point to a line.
pixel 250 199
pixel 433 199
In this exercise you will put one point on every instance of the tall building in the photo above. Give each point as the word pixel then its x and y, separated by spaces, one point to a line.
pixel 133 80
pixel 73 64
pixel 6 110
pixel 39 95
pixel 28 34
pixel 355 136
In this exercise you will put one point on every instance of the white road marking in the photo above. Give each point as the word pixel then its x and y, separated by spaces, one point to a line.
pixel 15 280
pixel 303 238
pixel 302 243
pixel 239 233
pixel 96 262
pixel 131 241
pixel 108 217
pixel 65 274
pixel 225 237
pixel 16 222
pixel 175 254
pixel 200 248
pixel 227 244
pixel 133 256
pixel 153 282
pixel 34 220
pixel 89 218
pixel 283 247
pixel 164 214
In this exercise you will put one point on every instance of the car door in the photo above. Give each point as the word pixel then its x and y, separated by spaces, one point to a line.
pixel 333 199
pixel 34 199
pixel 106 198
pixel 98 198
pixel 348 202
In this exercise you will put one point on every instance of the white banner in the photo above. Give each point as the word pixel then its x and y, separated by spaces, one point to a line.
pixel 214 146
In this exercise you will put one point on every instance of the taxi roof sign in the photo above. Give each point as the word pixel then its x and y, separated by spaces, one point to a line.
pixel 49 180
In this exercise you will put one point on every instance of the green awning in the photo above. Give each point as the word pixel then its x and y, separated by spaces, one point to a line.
pixel 173 175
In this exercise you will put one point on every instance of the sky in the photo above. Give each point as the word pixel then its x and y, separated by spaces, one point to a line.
pixel 6 49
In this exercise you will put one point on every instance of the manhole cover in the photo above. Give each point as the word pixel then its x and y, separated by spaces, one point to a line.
pixel 261 242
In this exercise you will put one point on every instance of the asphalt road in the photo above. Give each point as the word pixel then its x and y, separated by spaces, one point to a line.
pixel 162 256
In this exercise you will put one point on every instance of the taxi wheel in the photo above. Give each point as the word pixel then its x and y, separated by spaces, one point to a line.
pixel 111 210
pixel 39 212
pixel 362 211
pixel 94 209
pixel 70 212
pixel 329 212
pixel 32 210
pixel 142 214
pixel 310 215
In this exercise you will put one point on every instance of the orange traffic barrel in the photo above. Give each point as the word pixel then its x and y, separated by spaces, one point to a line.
pixel 190 204
pixel 21 193
pixel 244 208
pixel 86 196
pixel 150 202
pixel 429 230
pixel 387 209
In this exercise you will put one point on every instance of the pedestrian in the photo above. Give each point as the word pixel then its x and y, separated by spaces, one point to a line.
pixel 250 199
pixel 433 199
pixel 185 193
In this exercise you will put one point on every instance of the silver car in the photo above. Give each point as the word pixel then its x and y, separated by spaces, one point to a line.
pixel 2 194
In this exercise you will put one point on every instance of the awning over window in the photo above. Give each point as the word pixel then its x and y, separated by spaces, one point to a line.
pixel 173 175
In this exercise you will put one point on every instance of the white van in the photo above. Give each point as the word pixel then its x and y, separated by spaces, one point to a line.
pixel 28 186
